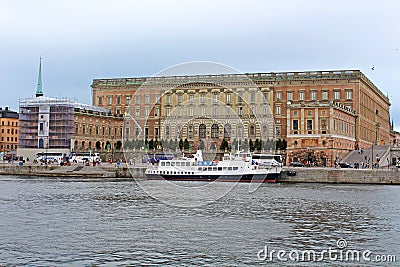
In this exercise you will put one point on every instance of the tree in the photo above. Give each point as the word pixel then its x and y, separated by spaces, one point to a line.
pixel 257 144
pixel 283 144
pixel 251 145
pixel 245 145
pixel 151 144
pixel 213 146
pixel 118 145
pixel 181 144
pixel 186 144
pixel 224 144
pixel 201 145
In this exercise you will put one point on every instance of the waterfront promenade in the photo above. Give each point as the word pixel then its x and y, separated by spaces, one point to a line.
pixel 126 172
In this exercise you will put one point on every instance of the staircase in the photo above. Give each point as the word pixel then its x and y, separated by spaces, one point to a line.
pixel 371 154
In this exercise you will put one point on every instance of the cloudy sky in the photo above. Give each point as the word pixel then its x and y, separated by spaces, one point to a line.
pixel 82 40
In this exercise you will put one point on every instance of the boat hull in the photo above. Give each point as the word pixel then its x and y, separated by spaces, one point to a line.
pixel 257 178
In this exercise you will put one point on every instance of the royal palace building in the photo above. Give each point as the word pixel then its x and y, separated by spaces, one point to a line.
pixel 322 115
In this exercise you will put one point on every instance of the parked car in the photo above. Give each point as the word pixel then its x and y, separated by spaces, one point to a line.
pixel 296 164
pixel 345 165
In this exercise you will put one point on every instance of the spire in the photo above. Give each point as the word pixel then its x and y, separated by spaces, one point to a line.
pixel 39 91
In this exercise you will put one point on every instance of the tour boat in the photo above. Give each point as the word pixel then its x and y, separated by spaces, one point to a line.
pixel 231 169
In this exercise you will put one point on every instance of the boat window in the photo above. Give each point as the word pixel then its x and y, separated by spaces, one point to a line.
pixel 229 168
pixel 235 168
pixel 225 168
pixel 209 169
pixel 167 163
pixel 220 168
pixel 162 163
pixel 187 163
pixel 214 168
pixel 200 168
pixel 172 163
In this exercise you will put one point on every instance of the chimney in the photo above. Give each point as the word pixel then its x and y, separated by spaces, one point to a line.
pixel 6 108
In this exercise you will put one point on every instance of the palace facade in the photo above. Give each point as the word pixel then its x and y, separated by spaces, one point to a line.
pixel 322 115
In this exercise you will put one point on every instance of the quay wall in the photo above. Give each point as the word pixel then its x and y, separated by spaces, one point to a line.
pixel 302 175
pixel 345 176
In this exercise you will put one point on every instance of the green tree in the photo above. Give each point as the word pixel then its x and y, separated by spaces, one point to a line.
pixel 181 144
pixel 201 145
pixel 257 144
pixel 151 144
pixel 251 145
pixel 118 145
pixel 186 144
pixel 245 145
pixel 213 147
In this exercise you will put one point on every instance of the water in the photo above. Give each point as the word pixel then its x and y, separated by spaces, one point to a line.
pixel 50 222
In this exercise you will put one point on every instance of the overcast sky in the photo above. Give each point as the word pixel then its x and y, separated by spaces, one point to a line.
pixel 83 40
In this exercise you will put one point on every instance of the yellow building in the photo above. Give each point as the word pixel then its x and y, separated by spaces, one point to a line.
pixel 8 130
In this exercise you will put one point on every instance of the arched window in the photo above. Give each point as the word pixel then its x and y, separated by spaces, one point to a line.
pixel 227 131
pixel 252 131
pixel 202 131
pixel 214 131
pixel 41 143
pixel 190 132
pixel 239 131
pixel 167 132
pixel 265 131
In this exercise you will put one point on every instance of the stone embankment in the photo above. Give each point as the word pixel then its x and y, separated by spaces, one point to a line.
pixel 341 176
pixel 125 171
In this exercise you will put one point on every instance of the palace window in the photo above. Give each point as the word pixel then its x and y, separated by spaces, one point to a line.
pixel 336 95
pixel 289 96
pixel 349 94
pixel 301 95
pixel 147 99
pixel 278 96
pixel 215 98
pixel 278 110
pixel 313 95
pixel 252 97
pixel 265 96
pixel 228 98
pixel 214 131
pixel 309 126
pixel 295 125
pixel 324 95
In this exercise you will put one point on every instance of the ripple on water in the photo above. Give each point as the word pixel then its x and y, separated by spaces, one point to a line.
pixel 45 222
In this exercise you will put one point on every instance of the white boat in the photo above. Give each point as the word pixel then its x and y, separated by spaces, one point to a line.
pixel 232 168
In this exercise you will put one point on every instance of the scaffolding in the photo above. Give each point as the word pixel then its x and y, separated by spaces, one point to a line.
pixel 57 115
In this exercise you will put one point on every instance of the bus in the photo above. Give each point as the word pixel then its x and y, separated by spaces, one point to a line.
pixel 50 156
pixel 79 157
pixel 267 159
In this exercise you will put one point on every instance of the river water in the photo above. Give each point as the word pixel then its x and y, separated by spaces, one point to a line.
pixel 58 222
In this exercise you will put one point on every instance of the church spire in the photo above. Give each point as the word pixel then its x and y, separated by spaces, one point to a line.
pixel 39 91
